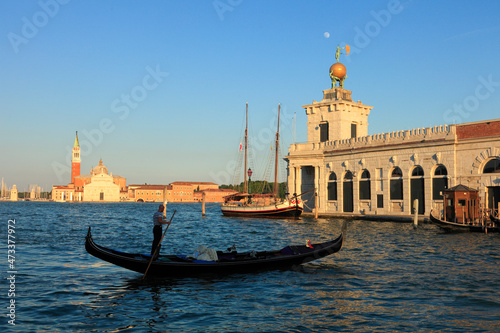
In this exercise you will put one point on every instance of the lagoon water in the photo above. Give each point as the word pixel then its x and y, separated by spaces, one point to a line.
pixel 388 276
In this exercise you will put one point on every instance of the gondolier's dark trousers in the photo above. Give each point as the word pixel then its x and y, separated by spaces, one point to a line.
pixel 156 240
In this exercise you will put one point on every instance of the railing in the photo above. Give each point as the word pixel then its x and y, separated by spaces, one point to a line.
pixel 417 134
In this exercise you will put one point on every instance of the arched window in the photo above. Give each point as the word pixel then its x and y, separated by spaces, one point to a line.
pixel 493 166
pixel 364 186
pixel 441 171
pixel 396 184
pixel 417 171
pixel 439 182
pixel 417 189
pixel 332 186
pixel 348 192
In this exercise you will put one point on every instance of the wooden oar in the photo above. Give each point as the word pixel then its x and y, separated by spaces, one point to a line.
pixel 158 246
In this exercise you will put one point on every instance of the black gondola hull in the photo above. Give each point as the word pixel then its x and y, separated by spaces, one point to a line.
pixel 457 227
pixel 180 266
pixel 495 220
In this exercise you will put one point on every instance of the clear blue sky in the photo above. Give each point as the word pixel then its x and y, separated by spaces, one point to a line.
pixel 157 89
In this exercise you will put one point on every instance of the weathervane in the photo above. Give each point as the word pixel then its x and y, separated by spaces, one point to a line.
pixel 338 71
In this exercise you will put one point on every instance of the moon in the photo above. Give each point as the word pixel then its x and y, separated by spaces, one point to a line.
pixel 326 34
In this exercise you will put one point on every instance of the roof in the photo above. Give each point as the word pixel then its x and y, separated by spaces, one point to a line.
pixel 193 183
pixel 460 188
pixel 76 144
pixel 61 187
pixel 100 168
pixel 149 187
pixel 219 190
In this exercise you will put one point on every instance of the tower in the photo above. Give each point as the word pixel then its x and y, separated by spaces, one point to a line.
pixel 75 160
pixel 337 116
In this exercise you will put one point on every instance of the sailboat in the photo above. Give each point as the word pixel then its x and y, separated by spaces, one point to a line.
pixel 243 204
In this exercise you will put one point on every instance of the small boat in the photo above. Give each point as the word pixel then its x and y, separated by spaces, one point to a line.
pixel 244 204
pixel 237 205
pixel 461 212
pixel 227 262
pixel 470 226
pixel 495 220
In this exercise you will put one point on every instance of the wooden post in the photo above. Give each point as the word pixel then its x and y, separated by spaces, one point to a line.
pixel 415 214
pixel 165 202
pixel 203 196
pixel 444 208
pixel 315 204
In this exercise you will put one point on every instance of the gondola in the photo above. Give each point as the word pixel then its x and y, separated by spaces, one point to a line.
pixel 461 211
pixel 495 220
pixel 454 227
pixel 227 262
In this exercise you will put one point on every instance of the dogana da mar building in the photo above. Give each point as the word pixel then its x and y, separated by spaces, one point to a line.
pixel 382 174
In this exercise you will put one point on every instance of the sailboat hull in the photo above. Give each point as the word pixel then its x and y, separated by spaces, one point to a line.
pixel 286 208
pixel 279 210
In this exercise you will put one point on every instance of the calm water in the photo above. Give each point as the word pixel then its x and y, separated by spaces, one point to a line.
pixel 388 277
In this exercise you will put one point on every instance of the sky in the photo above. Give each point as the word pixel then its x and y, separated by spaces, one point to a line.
pixel 157 89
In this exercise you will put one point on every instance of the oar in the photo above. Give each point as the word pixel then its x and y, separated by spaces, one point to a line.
pixel 158 246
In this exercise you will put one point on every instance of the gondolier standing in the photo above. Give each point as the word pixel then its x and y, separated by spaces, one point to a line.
pixel 158 221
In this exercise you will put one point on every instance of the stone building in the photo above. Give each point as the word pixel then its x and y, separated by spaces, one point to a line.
pixel 178 192
pixel 185 191
pixel 14 193
pixel 147 193
pixel 357 173
pixel 100 185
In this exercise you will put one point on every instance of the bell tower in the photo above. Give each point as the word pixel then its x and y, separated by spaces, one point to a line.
pixel 75 160
pixel 337 116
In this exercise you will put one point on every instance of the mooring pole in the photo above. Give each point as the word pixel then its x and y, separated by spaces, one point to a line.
pixel 203 199
pixel 415 214
pixel 315 204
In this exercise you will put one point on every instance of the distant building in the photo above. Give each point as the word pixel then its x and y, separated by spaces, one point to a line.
pixel 13 193
pixel 100 185
pixel 147 193
pixel 383 174
pixel 178 192
pixel 185 191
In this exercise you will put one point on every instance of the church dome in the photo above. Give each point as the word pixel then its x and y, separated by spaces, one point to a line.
pixel 100 169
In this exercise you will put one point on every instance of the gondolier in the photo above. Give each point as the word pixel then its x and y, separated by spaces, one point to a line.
pixel 157 221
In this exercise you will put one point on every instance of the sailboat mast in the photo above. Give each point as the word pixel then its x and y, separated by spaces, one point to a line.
pixel 276 156
pixel 245 190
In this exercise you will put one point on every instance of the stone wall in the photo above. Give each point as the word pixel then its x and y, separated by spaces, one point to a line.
pixel 463 157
